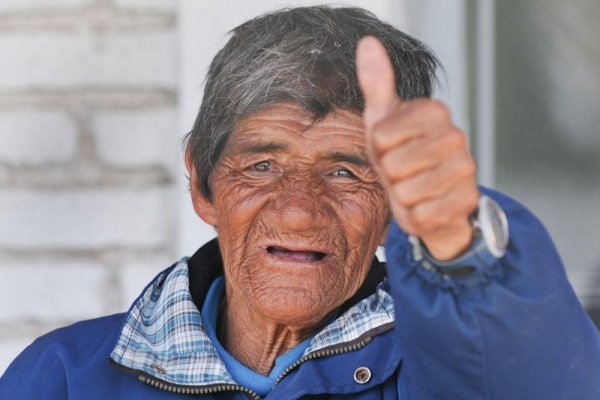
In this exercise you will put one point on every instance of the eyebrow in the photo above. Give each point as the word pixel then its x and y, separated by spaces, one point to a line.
pixel 258 148
pixel 349 158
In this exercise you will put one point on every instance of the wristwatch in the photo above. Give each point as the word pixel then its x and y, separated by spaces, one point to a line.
pixel 490 221
pixel 489 243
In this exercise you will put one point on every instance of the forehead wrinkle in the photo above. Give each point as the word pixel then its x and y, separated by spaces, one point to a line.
pixel 338 124
pixel 285 124
pixel 281 112
pixel 252 142
pixel 270 131
pixel 259 129
pixel 305 119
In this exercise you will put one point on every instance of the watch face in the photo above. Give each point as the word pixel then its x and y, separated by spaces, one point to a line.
pixel 494 226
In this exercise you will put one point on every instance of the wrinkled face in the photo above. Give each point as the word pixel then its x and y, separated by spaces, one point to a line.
pixel 299 212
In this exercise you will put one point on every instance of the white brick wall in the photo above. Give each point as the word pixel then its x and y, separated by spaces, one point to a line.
pixel 138 138
pixel 18 5
pixel 88 145
pixel 64 59
pixel 83 218
pixel 58 291
pixel 36 137
pixel 165 5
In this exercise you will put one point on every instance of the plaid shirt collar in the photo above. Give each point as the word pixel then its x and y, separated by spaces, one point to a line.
pixel 163 335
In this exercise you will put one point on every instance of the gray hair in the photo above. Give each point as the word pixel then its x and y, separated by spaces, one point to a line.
pixel 303 55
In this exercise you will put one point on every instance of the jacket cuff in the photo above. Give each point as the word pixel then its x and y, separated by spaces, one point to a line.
pixel 476 258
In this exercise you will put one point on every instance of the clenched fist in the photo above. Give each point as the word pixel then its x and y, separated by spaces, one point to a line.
pixel 422 159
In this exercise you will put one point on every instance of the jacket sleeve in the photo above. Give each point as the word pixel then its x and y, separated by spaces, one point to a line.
pixel 37 373
pixel 512 330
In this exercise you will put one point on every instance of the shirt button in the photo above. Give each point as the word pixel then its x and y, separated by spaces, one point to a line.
pixel 362 375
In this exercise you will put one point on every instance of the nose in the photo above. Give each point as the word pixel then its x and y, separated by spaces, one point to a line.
pixel 301 205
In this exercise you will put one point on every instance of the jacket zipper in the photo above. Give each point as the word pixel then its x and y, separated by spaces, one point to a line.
pixel 329 351
pixel 196 389
pixel 182 389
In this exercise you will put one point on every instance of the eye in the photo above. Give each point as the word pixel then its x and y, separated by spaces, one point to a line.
pixel 262 166
pixel 344 173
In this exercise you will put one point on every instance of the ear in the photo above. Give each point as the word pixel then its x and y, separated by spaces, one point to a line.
pixel 203 206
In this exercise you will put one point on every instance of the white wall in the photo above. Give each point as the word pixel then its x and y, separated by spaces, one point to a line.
pixel 88 120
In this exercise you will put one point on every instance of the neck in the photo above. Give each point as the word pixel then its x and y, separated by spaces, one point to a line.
pixel 254 340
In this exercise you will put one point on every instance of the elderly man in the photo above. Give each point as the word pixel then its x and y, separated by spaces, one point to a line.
pixel 314 143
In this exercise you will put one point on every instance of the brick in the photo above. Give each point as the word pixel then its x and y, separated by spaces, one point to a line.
pixel 41 292
pixel 85 218
pixel 159 5
pixel 36 137
pixel 138 138
pixel 62 60
pixel 135 275
pixel 18 5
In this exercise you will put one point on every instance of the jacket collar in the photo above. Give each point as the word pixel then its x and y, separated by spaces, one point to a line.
pixel 163 335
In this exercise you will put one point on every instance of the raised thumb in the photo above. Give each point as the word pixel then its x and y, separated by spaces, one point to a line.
pixel 376 80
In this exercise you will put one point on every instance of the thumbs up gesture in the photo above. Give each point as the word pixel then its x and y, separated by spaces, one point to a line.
pixel 422 159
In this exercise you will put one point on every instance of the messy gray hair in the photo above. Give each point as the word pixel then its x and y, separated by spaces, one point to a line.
pixel 303 55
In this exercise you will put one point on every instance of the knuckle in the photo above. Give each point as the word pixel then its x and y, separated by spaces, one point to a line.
pixel 404 195
pixel 383 134
pixel 455 139
pixel 387 165
pixel 392 164
pixel 466 167
pixel 378 137
pixel 421 218
pixel 437 110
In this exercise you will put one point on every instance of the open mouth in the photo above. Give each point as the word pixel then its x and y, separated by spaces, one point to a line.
pixel 296 255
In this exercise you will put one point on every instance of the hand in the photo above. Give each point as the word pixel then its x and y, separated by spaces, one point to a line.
pixel 422 159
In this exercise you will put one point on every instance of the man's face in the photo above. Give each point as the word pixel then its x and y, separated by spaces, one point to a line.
pixel 299 212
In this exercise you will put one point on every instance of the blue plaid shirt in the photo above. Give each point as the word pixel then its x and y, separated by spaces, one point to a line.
pixel 164 337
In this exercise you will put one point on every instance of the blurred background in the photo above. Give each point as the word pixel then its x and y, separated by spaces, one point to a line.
pixel 96 95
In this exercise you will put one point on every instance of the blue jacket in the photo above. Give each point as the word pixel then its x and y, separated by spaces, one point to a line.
pixel 512 330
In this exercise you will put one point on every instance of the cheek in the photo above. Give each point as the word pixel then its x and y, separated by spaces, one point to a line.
pixel 363 213
pixel 238 205
pixel 235 199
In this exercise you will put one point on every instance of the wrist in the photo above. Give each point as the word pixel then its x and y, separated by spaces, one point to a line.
pixel 489 240
pixel 449 244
